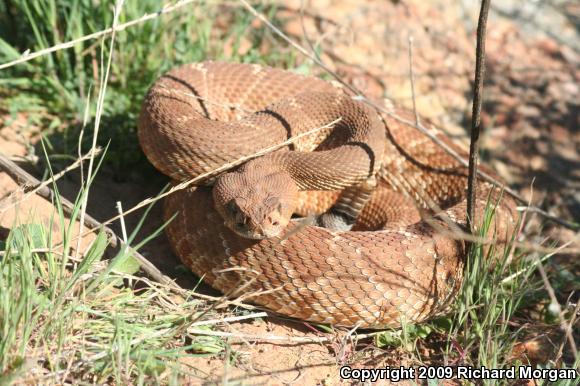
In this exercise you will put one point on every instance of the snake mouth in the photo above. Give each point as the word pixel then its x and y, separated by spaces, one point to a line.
pixel 253 235
pixel 257 233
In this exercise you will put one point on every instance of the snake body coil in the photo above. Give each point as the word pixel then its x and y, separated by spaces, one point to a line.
pixel 392 266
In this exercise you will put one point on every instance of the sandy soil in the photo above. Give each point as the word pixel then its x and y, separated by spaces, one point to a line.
pixel 531 113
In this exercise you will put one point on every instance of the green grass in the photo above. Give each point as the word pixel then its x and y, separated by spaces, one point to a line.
pixel 86 318
pixel 55 87
pixel 486 304
pixel 59 316
pixel 489 317
pixel 90 319
pixel 68 318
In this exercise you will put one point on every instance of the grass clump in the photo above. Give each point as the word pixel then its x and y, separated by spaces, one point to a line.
pixel 494 312
pixel 487 303
pixel 69 317
pixel 86 318
pixel 56 86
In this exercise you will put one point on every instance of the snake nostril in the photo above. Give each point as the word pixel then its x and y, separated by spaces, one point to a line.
pixel 275 223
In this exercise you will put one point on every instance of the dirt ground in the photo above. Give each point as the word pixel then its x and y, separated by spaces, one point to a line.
pixel 531 136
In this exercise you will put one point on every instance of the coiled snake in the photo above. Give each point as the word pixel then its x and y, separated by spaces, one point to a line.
pixel 238 236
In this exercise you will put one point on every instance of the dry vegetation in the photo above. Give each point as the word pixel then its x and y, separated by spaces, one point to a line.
pixel 89 310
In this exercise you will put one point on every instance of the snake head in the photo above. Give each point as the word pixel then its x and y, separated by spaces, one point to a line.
pixel 255 205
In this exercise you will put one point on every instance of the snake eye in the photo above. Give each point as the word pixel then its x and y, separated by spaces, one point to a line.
pixel 241 220
pixel 233 208
pixel 236 214
pixel 275 223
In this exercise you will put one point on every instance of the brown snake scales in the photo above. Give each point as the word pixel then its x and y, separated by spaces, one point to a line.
pixel 399 262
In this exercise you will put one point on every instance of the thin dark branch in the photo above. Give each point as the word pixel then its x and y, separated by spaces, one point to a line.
pixel 476 115
pixel 29 182
pixel 383 110
pixel 305 33
pixel 549 216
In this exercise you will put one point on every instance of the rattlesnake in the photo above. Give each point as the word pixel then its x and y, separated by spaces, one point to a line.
pixel 391 267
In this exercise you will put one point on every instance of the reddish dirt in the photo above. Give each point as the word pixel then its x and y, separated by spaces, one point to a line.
pixel 531 118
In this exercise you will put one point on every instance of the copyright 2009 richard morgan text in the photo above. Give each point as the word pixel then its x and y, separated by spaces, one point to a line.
pixel 396 374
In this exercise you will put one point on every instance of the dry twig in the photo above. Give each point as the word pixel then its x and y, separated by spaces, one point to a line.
pixel 55 177
pixel 476 115
pixel 275 338
pixel 29 56
pixel 23 177
pixel 216 171
pixel 412 77
pixel 359 96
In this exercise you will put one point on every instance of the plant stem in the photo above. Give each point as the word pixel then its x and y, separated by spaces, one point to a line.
pixel 476 114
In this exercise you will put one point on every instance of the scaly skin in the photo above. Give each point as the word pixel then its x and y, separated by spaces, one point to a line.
pixel 393 266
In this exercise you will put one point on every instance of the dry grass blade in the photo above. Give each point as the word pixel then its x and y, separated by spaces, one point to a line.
pixel 29 56
pixel 100 104
pixel 230 319
pixel 228 106
pixel 25 178
pixel 359 96
pixel 274 338
pixel 216 171
pixel 566 328
pixel 455 232
pixel 9 168
pixel 412 77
